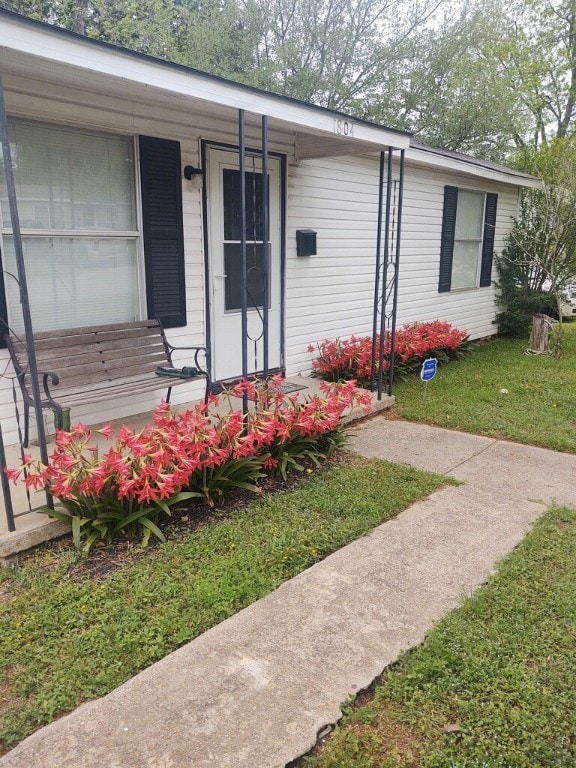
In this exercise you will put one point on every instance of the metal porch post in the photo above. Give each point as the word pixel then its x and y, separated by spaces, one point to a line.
pixel 396 274
pixel 21 271
pixel 242 152
pixel 265 247
pixel 377 275
pixel 385 273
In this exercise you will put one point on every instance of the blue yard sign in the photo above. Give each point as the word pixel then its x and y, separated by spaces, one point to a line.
pixel 429 368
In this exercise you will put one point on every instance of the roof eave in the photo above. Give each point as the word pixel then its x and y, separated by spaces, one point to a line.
pixel 52 47
pixel 471 167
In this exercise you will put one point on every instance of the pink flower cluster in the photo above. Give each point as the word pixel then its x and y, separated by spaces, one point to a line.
pixel 153 465
pixel 352 358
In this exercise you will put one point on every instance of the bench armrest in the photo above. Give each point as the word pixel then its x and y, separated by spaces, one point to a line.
pixel 54 379
pixel 197 351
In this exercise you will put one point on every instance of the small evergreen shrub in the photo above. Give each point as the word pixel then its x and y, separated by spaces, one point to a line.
pixel 519 294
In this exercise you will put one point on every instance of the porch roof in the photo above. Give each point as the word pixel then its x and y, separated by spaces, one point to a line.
pixel 62 57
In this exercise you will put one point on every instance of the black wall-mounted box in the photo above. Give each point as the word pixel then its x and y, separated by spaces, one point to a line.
pixel 305 242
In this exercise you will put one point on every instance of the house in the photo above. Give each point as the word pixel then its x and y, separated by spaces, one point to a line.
pixel 129 190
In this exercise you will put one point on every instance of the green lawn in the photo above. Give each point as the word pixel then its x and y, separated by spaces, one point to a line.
pixel 64 640
pixel 539 407
pixel 498 673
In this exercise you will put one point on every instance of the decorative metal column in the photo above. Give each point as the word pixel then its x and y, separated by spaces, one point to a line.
pixel 21 272
pixel 396 274
pixel 265 246
pixel 244 324
pixel 377 271
pixel 386 271
pixel 263 200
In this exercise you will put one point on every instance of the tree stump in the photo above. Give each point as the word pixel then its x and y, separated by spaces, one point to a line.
pixel 540 336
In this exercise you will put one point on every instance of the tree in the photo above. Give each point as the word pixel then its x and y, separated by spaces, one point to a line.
pixel 449 92
pixel 536 55
pixel 332 52
pixel 541 247
pixel 206 34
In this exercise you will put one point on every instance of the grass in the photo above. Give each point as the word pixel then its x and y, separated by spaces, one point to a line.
pixel 64 640
pixel 539 407
pixel 492 686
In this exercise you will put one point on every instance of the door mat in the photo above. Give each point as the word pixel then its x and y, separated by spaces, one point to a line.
pixel 289 387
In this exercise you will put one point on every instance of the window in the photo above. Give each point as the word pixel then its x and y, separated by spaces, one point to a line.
pixel 76 193
pixel 77 201
pixel 467 244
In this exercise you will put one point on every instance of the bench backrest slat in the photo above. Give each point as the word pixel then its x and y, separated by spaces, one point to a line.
pixel 80 356
pixel 89 329
pixel 105 339
pixel 99 354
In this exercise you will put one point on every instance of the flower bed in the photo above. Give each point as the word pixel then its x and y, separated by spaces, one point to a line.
pixel 346 359
pixel 197 454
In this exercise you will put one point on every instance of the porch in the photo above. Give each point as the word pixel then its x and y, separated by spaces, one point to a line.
pixel 33 528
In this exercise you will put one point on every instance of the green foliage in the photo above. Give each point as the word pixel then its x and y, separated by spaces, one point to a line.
pixel 541 247
pixel 107 518
pixel 292 455
pixel 500 668
pixel 449 88
pixel 519 300
pixel 212 483
pixel 64 640
pixel 537 408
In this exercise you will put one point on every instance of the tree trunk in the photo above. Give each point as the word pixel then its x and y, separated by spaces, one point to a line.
pixel 80 16
pixel 540 335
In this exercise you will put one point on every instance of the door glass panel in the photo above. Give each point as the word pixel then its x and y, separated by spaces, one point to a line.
pixel 255 282
pixel 233 207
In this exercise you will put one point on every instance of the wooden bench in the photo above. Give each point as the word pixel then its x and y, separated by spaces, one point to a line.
pixel 81 366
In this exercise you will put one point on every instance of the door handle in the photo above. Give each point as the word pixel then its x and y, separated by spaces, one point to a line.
pixel 222 277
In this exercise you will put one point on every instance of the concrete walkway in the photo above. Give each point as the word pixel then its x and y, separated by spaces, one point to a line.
pixel 255 691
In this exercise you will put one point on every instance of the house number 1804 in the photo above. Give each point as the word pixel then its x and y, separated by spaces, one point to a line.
pixel 344 127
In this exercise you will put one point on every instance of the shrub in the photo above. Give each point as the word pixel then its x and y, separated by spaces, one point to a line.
pixel 346 359
pixel 181 456
pixel 519 293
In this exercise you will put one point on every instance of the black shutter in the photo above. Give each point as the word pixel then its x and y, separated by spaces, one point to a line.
pixel 161 177
pixel 447 241
pixel 488 240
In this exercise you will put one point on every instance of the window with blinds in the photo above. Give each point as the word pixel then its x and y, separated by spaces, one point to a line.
pixel 76 195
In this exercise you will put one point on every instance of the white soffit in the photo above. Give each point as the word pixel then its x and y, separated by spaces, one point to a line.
pixel 309 147
pixel 29 49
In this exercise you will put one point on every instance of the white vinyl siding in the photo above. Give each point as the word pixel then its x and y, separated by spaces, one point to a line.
pixel 331 295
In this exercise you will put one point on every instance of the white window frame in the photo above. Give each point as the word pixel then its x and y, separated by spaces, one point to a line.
pixel 478 240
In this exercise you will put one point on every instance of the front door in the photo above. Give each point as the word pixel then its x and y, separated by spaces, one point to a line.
pixel 225 263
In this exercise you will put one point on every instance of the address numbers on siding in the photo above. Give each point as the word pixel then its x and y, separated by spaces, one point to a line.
pixel 343 127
